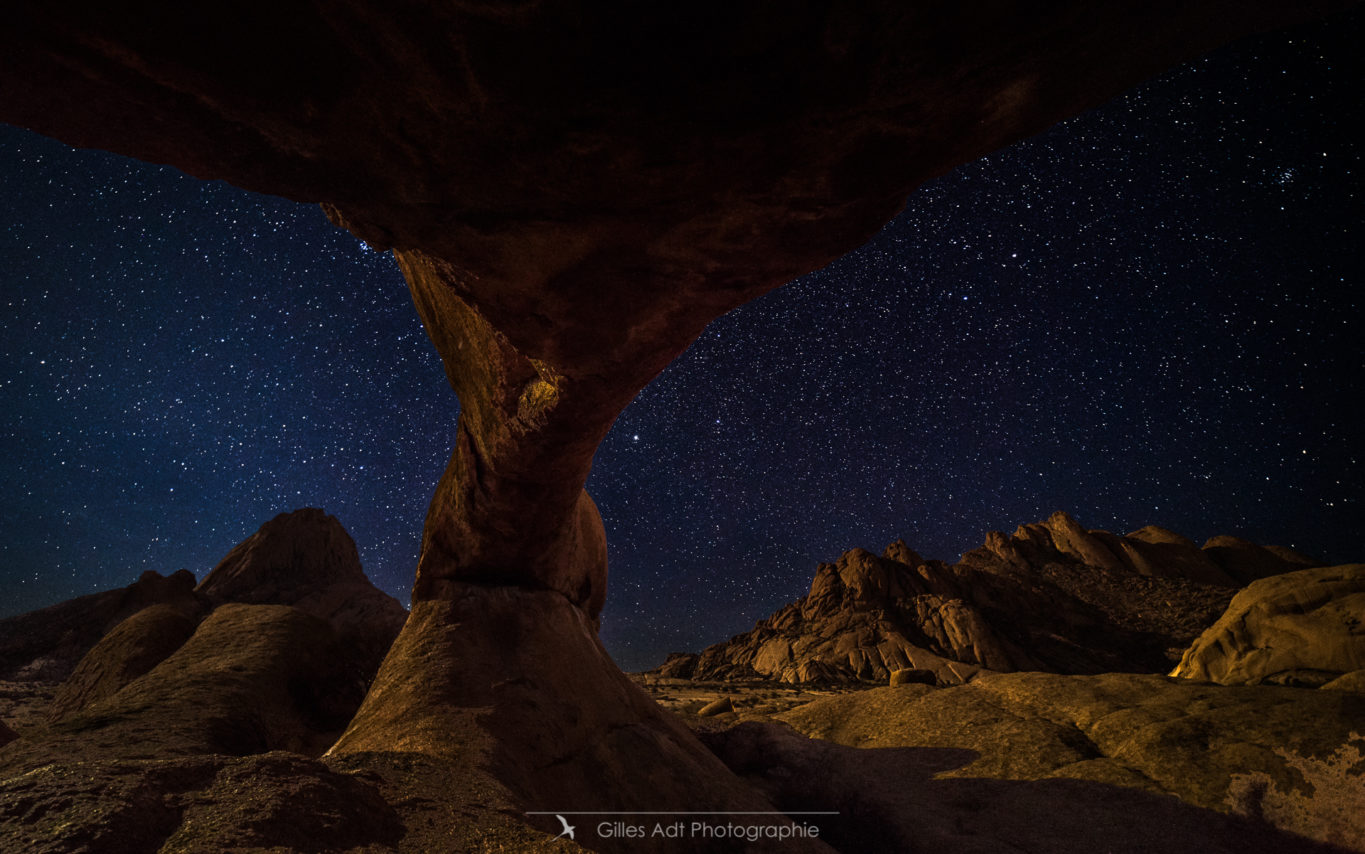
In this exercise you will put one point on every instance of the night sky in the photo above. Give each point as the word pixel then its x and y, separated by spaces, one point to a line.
pixel 1151 314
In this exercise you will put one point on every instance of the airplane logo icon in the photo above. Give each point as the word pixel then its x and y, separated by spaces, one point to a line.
pixel 568 828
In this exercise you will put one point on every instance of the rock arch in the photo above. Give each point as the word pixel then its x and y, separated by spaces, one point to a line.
pixel 573 191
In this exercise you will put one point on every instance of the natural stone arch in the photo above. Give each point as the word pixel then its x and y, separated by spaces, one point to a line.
pixel 573 191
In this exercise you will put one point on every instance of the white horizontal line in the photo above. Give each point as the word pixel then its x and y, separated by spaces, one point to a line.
pixel 676 812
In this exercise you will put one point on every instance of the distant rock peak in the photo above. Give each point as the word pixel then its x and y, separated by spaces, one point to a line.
pixel 1149 551
pixel 1054 596
pixel 293 555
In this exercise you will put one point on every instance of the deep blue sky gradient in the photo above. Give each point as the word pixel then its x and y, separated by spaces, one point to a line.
pixel 1149 315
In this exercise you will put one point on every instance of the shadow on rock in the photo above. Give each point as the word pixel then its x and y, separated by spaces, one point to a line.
pixel 889 799
pixel 196 804
pixel 505 700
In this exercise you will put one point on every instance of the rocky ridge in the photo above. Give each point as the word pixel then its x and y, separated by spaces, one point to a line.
pixel 306 560
pixel 234 724
pixel 1054 596
pixel 288 616
pixel 45 645
pixel 1240 754
pixel 186 694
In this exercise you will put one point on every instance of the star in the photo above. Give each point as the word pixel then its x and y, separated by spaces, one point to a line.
pixel 1178 312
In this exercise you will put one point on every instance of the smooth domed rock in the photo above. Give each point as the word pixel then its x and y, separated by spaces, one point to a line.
pixel 1353 681
pixel 291 557
pixel 909 676
pixel 1157 535
pixel 252 678
pixel 305 559
pixel 1246 561
pixel 1297 560
pixel 1044 762
pixel 1136 730
pixel 133 648
pixel 1305 627
pixel 1157 551
pixel 723 706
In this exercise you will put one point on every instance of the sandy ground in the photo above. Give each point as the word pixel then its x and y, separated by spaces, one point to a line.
pixel 23 705
pixel 751 699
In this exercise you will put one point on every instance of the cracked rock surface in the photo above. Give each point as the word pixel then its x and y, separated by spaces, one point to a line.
pixel 1043 762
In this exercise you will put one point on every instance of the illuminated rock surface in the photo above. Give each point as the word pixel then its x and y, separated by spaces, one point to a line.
pixel 1045 762
pixel 1301 628
pixel 1053 596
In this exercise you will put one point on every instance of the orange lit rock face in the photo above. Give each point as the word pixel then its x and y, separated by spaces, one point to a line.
pixel 510 508
pixel 1054 596
pixel 1300 628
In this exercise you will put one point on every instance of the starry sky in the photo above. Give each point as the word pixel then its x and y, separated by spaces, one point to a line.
pixel 1151 314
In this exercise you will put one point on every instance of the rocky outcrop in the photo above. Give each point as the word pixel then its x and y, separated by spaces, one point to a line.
pixel 679 665
pixel 1149 552
pixel 864 617
pixel 305 559
pixel 1246 562
pixel 46 644
pixel 1054 596
pixel 293 636
pixel 1301 628
pixel 273 652
pixel 557 729
pixel 290 560
pixel 96 644
pixel 905 676
pixel 1044 762
pixel 133 648
pixel 253 678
